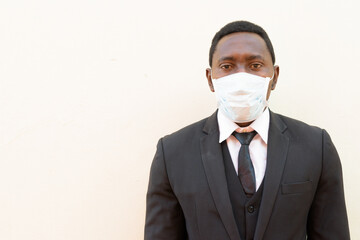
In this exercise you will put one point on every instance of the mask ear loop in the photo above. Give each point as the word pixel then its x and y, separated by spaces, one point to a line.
pixel 272 85
pixel 212 81
pixel 272 75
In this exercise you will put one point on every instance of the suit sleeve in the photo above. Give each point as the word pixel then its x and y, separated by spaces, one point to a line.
pixel 164 216
pixel 328 217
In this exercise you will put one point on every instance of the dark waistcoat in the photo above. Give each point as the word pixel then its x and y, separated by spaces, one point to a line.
pixel 246 210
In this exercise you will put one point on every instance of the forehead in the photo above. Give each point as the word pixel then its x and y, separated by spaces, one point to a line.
pixel 241 44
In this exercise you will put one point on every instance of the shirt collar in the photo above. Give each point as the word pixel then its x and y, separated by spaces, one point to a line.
pixel 260 125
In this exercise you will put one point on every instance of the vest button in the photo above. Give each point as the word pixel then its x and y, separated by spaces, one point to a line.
pixel 251 209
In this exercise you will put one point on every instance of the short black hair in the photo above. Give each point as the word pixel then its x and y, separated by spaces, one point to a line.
pixel 240 26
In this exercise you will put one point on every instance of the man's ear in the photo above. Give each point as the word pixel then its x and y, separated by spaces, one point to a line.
pixel 276 75
pixel 208 76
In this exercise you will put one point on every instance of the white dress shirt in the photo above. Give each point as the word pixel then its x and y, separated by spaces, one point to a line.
pixel 257 147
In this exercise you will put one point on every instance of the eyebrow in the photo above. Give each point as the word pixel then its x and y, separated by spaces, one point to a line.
pixel 254 57
pixel 226 59
pixel 249 58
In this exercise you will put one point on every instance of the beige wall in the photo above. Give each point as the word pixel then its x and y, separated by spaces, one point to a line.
pixel 88 87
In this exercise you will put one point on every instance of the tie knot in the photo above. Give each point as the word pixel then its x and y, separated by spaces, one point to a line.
pixel 245 138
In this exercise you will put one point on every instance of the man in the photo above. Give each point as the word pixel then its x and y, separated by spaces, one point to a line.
pixel 245 172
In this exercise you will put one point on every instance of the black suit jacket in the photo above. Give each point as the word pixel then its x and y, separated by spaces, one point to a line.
pixel 303 196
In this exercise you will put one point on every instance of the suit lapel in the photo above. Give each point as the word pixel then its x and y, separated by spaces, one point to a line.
pixel 212 159
pixel 278 145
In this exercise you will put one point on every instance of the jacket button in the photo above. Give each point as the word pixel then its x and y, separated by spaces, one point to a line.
pixel 250 209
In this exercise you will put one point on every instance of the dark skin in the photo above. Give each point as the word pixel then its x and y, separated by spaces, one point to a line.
pixel 242 52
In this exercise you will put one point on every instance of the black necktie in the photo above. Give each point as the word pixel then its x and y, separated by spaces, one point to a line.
pixel 245 167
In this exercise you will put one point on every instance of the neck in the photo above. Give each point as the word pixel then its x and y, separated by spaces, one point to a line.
pixel 246 124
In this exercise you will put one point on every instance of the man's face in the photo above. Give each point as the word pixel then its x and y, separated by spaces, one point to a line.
pixel 242 52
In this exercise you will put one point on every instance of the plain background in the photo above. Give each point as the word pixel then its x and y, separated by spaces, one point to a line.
pixel 88 87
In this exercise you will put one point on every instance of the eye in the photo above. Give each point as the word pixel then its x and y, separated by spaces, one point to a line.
pixel 226 66
pixel 255 66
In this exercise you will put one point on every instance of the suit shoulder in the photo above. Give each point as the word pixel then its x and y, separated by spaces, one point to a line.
pixel 299 126
pixel 187 132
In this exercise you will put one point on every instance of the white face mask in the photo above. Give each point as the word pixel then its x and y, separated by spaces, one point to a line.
pixel 241 96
